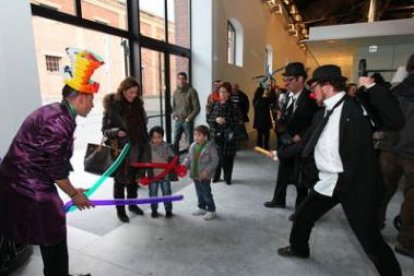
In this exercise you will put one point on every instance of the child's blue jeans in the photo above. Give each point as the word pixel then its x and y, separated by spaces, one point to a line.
pixel 166 190
pixel 204 195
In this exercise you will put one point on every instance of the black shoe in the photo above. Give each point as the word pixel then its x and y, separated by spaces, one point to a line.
pixel 292 217
pixel 123 218
pixel 406 251
pixel 228 182
pixel 215 180
pixel 168 214
pixel 135 209
pixel 80 274
pixel 289 252
pixel 154 214
pixel 272 204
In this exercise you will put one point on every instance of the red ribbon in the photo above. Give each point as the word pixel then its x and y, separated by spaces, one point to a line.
pixel 173 166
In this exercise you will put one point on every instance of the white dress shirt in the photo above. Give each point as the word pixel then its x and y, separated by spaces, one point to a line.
pixel 327 157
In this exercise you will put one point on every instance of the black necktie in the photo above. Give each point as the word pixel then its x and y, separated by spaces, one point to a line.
pixel 290 109
pixel 313 140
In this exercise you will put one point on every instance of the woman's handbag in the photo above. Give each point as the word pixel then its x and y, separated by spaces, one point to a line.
pixel 98 158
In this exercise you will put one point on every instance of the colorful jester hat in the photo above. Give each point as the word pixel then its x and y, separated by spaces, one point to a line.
pixel 83 63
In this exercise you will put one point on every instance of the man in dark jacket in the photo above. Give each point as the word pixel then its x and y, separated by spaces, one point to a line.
pixel 341 146
pixel 297 113
pixel 186 107
pixel 241 100
pixel 397 159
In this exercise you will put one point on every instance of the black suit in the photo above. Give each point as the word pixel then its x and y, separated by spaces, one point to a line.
pixel 358 190
pixel 382 107
pixel 301 119
pixel 296 123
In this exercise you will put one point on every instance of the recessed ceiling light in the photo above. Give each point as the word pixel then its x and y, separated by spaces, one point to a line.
pixel 373 48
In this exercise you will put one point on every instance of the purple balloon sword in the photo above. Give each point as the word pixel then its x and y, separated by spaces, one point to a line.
pixel 150 200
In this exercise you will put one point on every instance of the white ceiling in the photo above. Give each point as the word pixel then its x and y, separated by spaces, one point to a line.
pixel 334 49
pixel 339 43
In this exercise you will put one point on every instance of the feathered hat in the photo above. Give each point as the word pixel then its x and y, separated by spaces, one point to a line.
pixel 83 64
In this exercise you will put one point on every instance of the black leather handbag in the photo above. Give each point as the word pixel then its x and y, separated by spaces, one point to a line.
pixel 99 157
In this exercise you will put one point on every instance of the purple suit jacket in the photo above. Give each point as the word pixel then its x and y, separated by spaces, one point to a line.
pixel 30 208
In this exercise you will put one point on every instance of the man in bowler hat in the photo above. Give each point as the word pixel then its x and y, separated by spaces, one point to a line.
pixel 340 143
pixel 297 112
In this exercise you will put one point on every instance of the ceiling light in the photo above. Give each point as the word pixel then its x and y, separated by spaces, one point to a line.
pixel 277 9
pixel 291 28
pixel 373 48
pixel 297 17
pixel 293 10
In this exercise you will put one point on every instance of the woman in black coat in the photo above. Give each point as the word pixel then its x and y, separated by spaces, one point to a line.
pixel 125 122
pixel 224 120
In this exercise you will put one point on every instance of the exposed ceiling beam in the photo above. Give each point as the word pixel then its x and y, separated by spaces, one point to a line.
pixel 400 8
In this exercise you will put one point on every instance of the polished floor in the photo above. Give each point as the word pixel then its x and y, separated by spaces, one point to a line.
pixel 242 240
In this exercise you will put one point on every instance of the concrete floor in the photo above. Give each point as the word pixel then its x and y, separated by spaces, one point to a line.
pixel 242 240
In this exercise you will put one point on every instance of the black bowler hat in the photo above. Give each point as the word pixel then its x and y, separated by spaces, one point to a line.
pixel 327 73
pixel 295 69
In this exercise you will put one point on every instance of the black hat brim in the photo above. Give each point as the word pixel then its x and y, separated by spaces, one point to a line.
pixel 309 82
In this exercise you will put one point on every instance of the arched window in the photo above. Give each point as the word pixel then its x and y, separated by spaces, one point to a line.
pixel 269 58
pixel 231 43
pixel 234 42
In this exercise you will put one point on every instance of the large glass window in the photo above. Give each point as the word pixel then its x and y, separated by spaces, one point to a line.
pixel 177 64
pixel 153 86
pixel 179 22
pixel 108 12
pixel 110 38
pixel 51 40
pixel 66 6
pixel 152 18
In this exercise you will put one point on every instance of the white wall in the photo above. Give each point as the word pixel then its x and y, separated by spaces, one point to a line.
pixel 260 28
pixel 362 30
pixel 202 51
pixel 20 92
pixel 387 57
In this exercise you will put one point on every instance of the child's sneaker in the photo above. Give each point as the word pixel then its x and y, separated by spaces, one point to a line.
pixel 209 215
pixel 199 212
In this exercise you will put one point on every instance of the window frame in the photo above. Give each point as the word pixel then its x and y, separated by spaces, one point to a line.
pixel 52 61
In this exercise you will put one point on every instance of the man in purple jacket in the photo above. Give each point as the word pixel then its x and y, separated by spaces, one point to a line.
pixel 31 211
